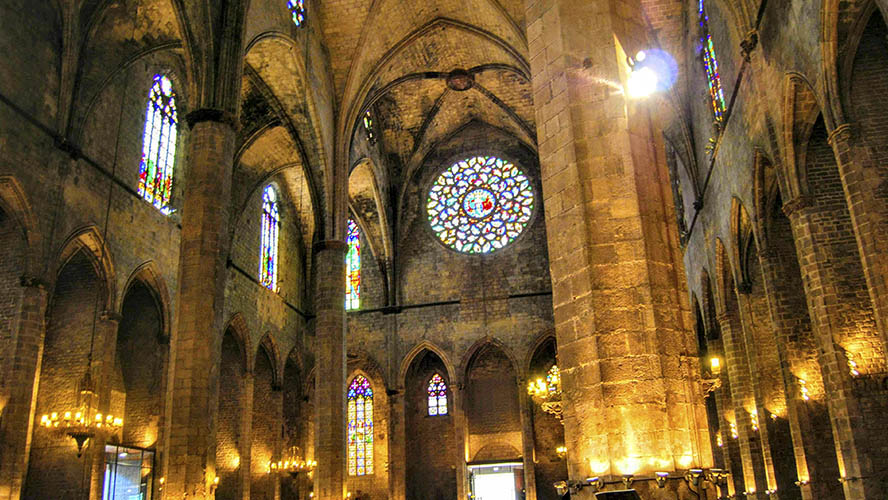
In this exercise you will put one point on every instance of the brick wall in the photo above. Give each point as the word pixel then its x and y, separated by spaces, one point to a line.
pixel 228 418
pixel 12 248
pixel 54 471
pixel 266 428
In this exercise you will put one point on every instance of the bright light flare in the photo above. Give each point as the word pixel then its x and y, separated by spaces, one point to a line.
pixel 642 83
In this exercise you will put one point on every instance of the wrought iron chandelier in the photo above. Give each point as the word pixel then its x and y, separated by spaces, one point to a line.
pixel 547 392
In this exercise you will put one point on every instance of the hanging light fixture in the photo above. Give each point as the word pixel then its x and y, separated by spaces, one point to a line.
pixel 547 392
pixel 294 464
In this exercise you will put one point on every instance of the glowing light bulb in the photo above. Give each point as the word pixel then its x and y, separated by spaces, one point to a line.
pixel 642 83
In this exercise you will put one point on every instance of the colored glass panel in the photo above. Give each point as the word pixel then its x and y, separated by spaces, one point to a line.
pixel 480 204
pixel 710 63
pixel 368 126
pixel 297 11
pixel 437 396
pixel 159 145
pixel 353 267
pixel 271 223
pixel 553 379
pixel 360 427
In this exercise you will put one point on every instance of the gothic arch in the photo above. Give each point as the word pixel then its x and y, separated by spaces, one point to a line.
pixel 414 354
pixel 540 341
pixel 149 275
pixel 237 325
pixel 90 241
pixel 800 111
pixel 270 347
pixel 479 346
pixel 15 203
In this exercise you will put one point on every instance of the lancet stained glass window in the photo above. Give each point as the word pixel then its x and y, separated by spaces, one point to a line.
pixel 297 11
pixel 710 63
pixel 360 427
pixel 271 222
pixel 353 267
pixel 480 204
pixel 159 145
pixel 368 126
pixel 437 396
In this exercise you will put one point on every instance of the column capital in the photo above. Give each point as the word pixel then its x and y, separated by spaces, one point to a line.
pixel 749 44
pixel 797 204
pixel 27 281
pixel 330 245
pixel 111 316
pixel 211 115
pixel 841 133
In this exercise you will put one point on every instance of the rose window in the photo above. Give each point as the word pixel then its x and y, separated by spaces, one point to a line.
pixel 480 204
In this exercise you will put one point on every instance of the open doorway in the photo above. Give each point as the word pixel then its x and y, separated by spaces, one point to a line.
pixel 497 481
pixel 128 473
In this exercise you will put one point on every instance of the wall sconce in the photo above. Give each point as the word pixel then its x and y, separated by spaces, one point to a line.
pixel 802 482
pixel 715 365
pixel 161 482
pixel 627 480
pixel 718 439
pixel 734 433
pixel 214 485
pixel 803 389
pixel 693 476
pixel 770 492
pixel 561 488
pixel 661 478
pixel 853 368
pixel 595 482
pixel 561 451
pixel 643 80
pixel 754 420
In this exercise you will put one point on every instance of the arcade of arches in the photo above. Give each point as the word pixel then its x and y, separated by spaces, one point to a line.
pixel 293 249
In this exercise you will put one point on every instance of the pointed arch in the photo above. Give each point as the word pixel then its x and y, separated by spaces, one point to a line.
pixel 14 202
pixel 360 415
pixel 268 345
pixel 148 274
pixel 801 108
pixel 414 354
pixel 89 240
pixel 541 340
pixel 479 346
pixel 237 325
pixel 743 243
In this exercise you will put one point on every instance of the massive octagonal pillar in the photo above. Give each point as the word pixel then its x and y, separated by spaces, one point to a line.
pixel 631 382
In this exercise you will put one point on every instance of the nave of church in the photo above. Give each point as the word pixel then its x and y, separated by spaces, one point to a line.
pixel 443 250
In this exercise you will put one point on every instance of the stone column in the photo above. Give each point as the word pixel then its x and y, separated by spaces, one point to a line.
pixel 277 449
pixel 104 357
pixel 632 392
pixel 398 443
pixel 530 492
pixel 197 339
pixel 460 431
pixel 793 350
pixel 743 400
pixel 17 423
pixel 850 431
pixel 245 443
pixel 861 185
pixel 330 326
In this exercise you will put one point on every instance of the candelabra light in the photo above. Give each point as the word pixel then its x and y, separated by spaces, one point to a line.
pixel 547 392
pixel 561 451
pixel 83 421
pixel 294 464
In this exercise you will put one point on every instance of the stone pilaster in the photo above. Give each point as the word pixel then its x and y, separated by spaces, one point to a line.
pixel 633 397
pixel 245 443
pixel 850 431
pixel 460 433
pixel 795 349
pixel 398 442
pixel 330 327
pixel 197 340
pixel 861 179
pixel 743 400
pixel 17 423
pixel 527 441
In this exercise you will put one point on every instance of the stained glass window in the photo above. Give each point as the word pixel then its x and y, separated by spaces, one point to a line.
pixel 159 145
pixel 297 11
pixel 271 223
pixel 437 396
pixel 353 267
pixel 710 63
pixel 480 204
pixel 553 380
pixel 368 126
pixel 360 427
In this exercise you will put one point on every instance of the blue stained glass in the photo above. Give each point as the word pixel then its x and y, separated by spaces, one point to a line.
pixel 480 204
pixel 353 267
pixel 268 254
pixel 297 11
pixel 360 427
pixel 710 63
pixel 159 145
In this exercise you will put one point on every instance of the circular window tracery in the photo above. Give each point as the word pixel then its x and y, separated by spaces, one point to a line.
pixel 480 204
